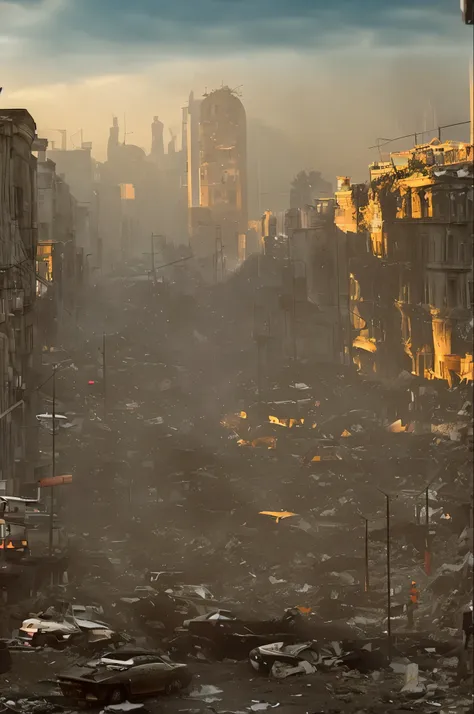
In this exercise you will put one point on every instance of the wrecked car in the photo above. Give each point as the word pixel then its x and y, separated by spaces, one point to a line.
pixel 5 658
pixel 224 636
pixel 283 660
pixel 215 615
pixel 299 658
pixel 67 626
pixel 122 675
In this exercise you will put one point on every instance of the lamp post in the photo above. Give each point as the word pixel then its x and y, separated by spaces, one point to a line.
pixel 366 552
pixel 389 575
pixel 104 380
pixel 366 555
pixel 389 582
pixel 53 468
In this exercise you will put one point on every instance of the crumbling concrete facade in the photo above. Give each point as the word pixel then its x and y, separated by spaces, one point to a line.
pixel 411 233
pixel 18 239
pixel 60 263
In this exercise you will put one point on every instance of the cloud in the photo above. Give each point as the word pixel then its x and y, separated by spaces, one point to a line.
pixel 322 79
pixel 187 27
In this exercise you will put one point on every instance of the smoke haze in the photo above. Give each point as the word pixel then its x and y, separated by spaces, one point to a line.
pixel 312 102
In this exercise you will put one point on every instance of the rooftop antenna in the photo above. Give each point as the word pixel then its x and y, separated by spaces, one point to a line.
pixel 125 132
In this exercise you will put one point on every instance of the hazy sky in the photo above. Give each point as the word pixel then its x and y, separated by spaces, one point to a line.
pixel 320 79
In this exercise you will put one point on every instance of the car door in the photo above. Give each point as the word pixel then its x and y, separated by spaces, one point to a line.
pixel 155 676
pixel 137 677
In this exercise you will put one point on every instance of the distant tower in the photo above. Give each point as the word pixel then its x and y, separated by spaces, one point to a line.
pixel 157 146
pixel 172 143
pixel 223 166
pixel 113 142
pixel 192 150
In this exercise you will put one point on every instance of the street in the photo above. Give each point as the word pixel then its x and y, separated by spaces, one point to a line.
pixel 162 484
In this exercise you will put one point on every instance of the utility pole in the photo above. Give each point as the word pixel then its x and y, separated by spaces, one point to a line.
pixel 218 255
pixel 427 533
pixel 51 497
pixel 293 314
pixel 366 579
pixel 338 296
pixel 153 258
pixel 104 376
pixel 366 553
pixel 389 583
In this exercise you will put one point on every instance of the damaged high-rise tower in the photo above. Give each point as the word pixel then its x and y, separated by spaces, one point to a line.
pixel 217 173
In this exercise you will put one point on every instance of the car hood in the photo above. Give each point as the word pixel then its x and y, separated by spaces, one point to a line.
pixel 101 674
pixel 93 674
pixel 279 648
pixel 91 624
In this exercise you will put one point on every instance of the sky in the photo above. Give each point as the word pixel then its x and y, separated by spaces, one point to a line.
pixel 321 80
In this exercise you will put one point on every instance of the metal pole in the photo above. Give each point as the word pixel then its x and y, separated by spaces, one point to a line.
pixel 366 555
pixel 51 496
pixel 295 348
pixel 338 298
pixel 389 585
pixel 153 258
pixel 427 534
pixel 104 376
pixel 259 371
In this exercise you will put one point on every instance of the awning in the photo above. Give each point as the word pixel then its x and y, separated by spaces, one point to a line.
pixel 55 481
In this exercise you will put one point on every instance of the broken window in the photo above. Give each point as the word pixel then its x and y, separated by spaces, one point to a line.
pixel 450 248
pixel 405 293
pixel 452 292
pixel 18 197
pixel 426 291
pixel 424 208
pixel 432 250
pixel 425 363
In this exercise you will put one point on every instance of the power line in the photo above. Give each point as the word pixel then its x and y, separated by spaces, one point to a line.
pixel 415 134
pixel 5 268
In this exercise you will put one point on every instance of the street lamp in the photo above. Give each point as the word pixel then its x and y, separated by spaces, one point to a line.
pixel 53 463
pixel 366 553
pixel 389 574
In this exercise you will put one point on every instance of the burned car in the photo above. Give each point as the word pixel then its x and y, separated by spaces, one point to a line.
pixel 5 658
pixel 283 660
pixel 163 612
pixel 125 674
pixel 221 635
pixel 65 624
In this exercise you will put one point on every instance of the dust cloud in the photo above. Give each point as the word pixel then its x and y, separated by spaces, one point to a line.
pixel 318 110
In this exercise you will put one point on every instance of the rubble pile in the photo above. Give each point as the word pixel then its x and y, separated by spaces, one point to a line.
pixel 211 519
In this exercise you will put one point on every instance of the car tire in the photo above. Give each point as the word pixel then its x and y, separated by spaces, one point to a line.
pixel 117 695
pixel 174 686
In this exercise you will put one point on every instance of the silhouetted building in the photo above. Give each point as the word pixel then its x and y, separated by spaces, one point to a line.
pixel 157 146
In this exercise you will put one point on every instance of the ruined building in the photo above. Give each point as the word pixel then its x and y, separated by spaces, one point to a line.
pixel 79 170
pixel 18 358
pixel 60 262
pixel 217 173
pixel 411 262
pixel 319 266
